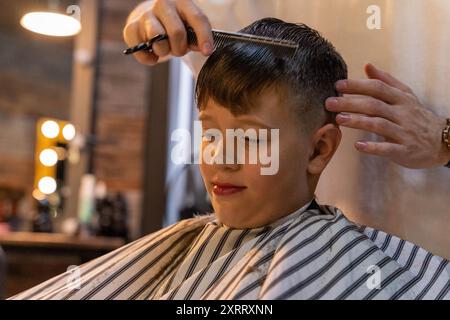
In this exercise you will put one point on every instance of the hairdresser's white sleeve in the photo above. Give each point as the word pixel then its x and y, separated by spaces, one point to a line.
pixel 230 15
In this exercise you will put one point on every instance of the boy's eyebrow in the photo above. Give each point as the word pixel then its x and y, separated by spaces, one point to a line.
pixel 255 122
pixel 207 117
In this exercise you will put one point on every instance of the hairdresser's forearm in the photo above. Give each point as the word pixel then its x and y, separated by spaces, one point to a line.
pixel 139 10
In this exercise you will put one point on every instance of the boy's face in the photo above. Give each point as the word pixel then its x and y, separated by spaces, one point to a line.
pixel 241 196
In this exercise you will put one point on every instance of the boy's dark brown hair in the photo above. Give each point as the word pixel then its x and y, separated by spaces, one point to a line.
pixel 235 75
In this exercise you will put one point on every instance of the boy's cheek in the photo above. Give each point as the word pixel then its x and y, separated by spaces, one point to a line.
pixel 205 173
pixel 259 183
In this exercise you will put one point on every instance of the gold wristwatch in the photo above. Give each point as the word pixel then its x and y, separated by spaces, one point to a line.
pixel 446 138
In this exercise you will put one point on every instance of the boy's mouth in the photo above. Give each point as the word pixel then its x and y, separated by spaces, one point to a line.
pixel 224 189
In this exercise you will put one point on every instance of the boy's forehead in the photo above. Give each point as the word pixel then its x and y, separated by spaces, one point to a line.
pixel 267 109
pixel 266 102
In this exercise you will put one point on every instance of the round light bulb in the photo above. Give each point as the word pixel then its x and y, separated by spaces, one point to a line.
pixel 50 129
pixel 68 132
pixel 48 157
pixel 47 185
pixel 38 195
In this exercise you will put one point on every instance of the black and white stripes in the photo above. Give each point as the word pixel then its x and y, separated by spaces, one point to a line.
pixel 314 253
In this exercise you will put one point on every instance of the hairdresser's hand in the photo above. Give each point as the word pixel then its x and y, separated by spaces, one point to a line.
pixel 385 106
pixel 169 17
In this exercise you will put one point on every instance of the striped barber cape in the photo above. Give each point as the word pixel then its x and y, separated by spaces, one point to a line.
pixel 313 253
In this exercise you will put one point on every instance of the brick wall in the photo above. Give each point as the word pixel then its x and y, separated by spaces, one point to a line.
pixel 35 80
pixel 121 102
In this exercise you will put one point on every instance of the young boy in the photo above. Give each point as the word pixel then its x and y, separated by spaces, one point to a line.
pixel 268 238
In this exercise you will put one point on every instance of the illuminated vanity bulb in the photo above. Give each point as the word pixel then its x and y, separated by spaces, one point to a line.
pixel 68 132
pixel 48 157
pixel 47 185
pixel 38 195
pixel 50 129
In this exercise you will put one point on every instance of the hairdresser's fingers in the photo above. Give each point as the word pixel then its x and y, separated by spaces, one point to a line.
pixel 380 126
pixel 363 105
pixel 374 73
pixel 166 12
pixel 390 150
pixel 195 18
pixel 420 140
pixel 151 27
pixel 371 87
pixel 397 153
pixel 399 117
pixel 133 34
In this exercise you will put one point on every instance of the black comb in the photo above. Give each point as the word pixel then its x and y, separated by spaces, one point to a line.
pixel 222 38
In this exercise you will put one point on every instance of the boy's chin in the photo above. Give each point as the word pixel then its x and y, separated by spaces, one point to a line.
pixel 241 217
pixel 232 218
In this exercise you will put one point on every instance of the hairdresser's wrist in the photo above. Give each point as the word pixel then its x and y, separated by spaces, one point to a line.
pixel 139 10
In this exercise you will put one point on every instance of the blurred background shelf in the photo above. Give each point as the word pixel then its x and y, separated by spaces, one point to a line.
pixel 32 258
pixel 58 241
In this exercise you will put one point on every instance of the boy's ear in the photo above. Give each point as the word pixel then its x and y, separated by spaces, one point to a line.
pixel 324 144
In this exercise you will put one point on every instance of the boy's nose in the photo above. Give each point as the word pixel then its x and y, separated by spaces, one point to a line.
pixel 225 159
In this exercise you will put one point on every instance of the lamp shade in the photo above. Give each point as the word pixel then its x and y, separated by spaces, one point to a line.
pixel 51 24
